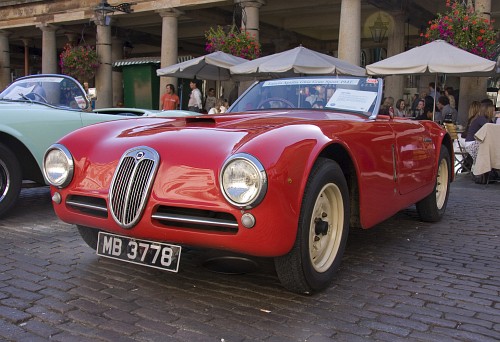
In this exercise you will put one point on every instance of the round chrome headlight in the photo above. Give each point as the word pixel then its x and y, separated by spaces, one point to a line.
pixel 58 166
pixel 243 180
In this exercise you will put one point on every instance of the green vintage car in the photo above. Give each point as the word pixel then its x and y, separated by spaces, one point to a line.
pixel 37 110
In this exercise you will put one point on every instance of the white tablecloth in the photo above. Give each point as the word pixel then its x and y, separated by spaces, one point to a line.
pixel 488 156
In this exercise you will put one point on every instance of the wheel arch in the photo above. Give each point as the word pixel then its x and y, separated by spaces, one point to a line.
pixel 29 166
pixel 340 154
pixel 447 143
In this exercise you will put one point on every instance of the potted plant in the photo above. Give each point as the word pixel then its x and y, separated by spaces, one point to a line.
pixel 237 43
pixel 463 27
pixel 80 62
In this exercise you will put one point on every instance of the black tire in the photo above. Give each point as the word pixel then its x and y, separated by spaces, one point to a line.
pixel 11 179
pixel 89 235
pixel 433 207
pixel 324 225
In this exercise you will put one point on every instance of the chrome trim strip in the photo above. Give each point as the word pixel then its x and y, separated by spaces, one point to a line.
pixel 189 219
pixel 87 206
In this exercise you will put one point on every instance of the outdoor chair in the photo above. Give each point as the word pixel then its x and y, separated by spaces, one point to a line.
pixel 461 155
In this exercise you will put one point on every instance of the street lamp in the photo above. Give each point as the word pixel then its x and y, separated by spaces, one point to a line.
pixel 379 29
pixel 103 10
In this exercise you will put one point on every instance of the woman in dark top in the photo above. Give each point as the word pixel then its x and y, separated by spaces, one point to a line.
pixel 474 108
pixel 486 114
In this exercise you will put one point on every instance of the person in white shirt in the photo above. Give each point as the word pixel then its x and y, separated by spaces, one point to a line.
pixel 195 103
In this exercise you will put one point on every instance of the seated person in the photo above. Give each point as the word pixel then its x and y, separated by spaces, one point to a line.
pixel 418 113
pixel 448 114
pixel 313 96
pixel 486 115
pixel 319 104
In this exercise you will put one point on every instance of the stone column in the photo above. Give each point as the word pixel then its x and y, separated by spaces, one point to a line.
pixel 394 84
pixel 250 22
pixel 473 88
pixel 103 77
pixel 26 43
pixel 117 76
pixel 49 51
pixel 4 59
pixel 169 45
pixel 350 31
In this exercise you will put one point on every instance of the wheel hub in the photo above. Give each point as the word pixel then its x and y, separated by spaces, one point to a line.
pixel 320 227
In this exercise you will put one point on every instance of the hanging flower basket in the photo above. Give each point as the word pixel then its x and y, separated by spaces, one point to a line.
pixel 80 62
pixel 233 41
pixel 463 27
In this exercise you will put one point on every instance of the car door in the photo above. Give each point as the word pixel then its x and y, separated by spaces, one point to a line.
pixel 414 155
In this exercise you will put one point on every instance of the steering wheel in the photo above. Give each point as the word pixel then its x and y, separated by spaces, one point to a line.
pixel 287 104
pixel 33 96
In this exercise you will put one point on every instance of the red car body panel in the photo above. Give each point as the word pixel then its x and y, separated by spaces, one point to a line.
pixel 395 164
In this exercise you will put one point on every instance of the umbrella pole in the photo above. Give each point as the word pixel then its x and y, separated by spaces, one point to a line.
pixel 180 93
pixel 435 94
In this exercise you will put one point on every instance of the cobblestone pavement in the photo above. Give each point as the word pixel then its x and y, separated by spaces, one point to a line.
pixel 402 280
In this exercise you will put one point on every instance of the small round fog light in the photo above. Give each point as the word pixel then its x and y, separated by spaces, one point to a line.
pixel 56 198
pixel 248 220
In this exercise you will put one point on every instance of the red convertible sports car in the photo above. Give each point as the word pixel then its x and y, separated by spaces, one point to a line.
pixel 284 173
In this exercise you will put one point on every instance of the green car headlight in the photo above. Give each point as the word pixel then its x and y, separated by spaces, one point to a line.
pixel 243 180
pixel 58 166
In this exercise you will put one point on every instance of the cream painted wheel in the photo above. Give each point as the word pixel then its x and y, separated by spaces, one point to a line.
pixel 432 207
pixel 325 231
pixel 321 232
pixel 442 183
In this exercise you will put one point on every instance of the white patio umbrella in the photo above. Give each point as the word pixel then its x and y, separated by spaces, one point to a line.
pixel 297 61
pixel 436 57
pixel 214 66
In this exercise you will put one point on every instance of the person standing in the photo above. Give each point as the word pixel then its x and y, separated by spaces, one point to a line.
pixel 169 100
pixel 195 103
pixel 210 99
pixel 432 90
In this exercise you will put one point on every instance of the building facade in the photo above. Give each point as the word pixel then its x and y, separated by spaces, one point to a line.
pixel 34 32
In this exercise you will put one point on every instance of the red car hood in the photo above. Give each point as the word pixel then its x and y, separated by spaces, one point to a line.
pixel 226 129
pixel 192 149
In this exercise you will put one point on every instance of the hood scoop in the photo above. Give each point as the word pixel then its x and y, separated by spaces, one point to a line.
pixel 200 121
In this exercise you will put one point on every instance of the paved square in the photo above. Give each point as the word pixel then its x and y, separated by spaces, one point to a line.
pixel 402 280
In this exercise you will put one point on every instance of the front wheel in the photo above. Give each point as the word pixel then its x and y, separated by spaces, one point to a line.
pixel 11 179
pixel 322 231
pixel 432 207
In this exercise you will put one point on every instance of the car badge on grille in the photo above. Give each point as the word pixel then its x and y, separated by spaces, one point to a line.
pixel 139 155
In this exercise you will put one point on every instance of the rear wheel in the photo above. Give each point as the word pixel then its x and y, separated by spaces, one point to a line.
pixel 89 235
pixel 322 231
pixel 10 179
pixel 432 208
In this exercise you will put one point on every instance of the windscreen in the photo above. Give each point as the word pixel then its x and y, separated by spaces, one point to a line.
pixel 53 90
pixel 350 94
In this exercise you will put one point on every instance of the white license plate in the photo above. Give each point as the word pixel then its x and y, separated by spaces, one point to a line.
pixel 142 252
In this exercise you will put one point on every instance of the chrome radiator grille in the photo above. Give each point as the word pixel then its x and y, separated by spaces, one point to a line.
pixel 132 184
